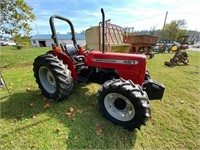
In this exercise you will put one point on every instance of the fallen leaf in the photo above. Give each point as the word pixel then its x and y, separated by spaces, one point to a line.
pixel 33 109
pixel 58 130
pixel 28 89
pixel 66 137
pixel 46 105
pixel 79 111
pixel 99 131
pixel 70 112
pixel 93 103
pixel 71 109
pixel 39 93
pixel 30 105
pixel 33 146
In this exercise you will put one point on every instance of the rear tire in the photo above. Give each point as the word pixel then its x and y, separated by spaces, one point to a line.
pixel 124 103
pixel 53 77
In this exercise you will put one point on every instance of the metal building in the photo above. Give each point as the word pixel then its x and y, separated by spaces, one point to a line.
pixel 45 40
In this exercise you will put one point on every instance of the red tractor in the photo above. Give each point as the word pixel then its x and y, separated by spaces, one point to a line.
pixel 126 84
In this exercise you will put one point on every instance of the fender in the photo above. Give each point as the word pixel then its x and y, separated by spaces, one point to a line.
pixel 129 66
pixel 66 60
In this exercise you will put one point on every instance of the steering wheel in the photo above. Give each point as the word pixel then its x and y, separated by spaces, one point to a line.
pixel 88 50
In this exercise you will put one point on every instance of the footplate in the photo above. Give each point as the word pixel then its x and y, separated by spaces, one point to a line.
pixel 153 89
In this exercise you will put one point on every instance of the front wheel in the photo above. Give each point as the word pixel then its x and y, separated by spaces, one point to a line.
pixel 53 77
pixel 124 103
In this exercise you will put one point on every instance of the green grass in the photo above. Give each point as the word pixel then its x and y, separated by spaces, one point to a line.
pixel 26 124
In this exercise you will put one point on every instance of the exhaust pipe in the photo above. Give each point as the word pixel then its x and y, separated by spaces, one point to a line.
pixel 103 30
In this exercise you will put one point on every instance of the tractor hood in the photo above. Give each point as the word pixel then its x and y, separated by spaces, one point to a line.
pixel 129 66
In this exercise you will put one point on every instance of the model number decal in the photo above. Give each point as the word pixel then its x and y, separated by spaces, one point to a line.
pixel 130 62
pixel 116 61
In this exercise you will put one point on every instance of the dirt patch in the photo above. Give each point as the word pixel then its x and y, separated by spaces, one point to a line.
pixel 16 65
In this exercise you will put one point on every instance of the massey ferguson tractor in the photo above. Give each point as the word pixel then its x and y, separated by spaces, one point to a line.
pixel 126 85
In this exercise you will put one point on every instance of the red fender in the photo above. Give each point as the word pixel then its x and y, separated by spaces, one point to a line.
pixel 66 60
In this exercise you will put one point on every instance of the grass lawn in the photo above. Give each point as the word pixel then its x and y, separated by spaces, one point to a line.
pixel 30 121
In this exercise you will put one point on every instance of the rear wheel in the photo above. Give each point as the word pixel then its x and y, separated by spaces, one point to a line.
pixel 53 77
pixel 124 103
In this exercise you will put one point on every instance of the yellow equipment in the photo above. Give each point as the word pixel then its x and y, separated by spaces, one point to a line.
pixel 174 48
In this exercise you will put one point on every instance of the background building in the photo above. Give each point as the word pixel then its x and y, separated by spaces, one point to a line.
pixel 45 40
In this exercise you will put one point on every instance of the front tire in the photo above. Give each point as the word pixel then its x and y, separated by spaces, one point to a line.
pixel 124 103
pixel 53 77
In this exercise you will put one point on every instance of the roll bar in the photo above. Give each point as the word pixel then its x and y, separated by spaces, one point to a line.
pixel 53 30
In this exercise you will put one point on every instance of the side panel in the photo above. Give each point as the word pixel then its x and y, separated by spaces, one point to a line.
pixel 129 66
pixel 66 60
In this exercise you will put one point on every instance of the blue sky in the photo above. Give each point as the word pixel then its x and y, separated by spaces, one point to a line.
pixel 140 14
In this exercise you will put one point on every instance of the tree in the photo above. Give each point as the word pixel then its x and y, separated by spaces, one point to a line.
pixel 82 32
pixel 152 30
pixel 193 36
pixel 15 18
pixel 174 30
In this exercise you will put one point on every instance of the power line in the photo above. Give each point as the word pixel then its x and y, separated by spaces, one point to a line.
pixel 157 15
pixel 184 13
pixel 142 18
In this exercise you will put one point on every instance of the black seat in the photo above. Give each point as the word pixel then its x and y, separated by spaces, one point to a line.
pixel 72 51
pixel 69 49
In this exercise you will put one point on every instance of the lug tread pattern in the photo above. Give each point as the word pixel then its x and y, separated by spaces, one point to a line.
pixel 61 73
pixel 134 93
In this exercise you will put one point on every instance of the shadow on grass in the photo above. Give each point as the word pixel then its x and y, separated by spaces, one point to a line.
pixel 86 126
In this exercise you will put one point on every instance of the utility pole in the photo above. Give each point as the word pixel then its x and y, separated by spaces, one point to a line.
pixel 36 28
pixel 164 25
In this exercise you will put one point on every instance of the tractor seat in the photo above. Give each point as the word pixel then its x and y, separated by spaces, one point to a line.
pixel 72 51
pixel 69 49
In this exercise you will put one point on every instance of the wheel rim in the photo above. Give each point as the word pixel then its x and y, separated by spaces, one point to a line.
pixel 47 80
pixel 119 107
